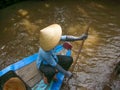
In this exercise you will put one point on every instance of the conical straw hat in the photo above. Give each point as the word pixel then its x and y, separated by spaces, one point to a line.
pixel 14 84
pixel 50 36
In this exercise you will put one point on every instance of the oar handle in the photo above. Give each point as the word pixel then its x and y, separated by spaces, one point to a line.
pixel 87 28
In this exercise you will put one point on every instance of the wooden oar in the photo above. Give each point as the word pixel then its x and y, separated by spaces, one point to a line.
pixel 80 47
pixel 79 51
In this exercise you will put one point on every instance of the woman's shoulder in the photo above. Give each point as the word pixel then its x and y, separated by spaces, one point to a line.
pixel 45 52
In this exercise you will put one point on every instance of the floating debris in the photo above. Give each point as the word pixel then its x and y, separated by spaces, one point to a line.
pixel 22 12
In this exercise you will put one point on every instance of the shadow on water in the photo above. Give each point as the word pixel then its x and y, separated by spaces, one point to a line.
pixel 19 36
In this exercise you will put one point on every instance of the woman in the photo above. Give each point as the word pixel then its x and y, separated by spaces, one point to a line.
pixel 48 62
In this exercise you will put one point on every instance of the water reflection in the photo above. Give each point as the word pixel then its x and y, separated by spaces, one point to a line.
pixel 19 36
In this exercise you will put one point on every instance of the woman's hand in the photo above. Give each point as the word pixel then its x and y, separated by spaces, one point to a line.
pixel 69 74
pixel 84 36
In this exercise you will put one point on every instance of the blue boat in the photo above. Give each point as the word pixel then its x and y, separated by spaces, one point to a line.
pixel 27 71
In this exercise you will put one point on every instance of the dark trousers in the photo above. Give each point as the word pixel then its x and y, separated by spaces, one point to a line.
pixel 49 71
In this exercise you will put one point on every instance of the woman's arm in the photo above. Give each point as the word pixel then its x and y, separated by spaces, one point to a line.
pixel 66 73
pixel 73 38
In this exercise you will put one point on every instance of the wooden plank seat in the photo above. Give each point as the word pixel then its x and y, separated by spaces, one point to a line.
pixel 30 74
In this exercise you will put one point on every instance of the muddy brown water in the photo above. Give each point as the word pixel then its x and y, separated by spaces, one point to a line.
pixel 19 36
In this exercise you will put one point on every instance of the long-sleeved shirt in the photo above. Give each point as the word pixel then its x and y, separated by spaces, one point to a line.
pixel 48 57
